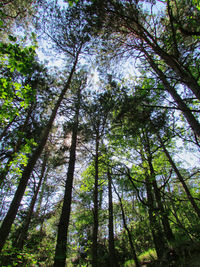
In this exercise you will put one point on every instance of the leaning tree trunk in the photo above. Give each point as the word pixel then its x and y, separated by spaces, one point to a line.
pixel 180 70
pixel 132 26
pixel 193 122
pixel 61 245
pixel 19 243
pixel 12 212
pixel 180 177
pixel 16 149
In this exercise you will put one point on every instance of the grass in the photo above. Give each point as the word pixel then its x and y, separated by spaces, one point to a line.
pixel 147 256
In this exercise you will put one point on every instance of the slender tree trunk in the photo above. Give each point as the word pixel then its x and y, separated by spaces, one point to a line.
pixel 24 231
pixel 41 193
pixel 156 229
pixel 164 218
pixel 16 148
pixel 112 258
pixel 137 264
pixel 180 177
pixel 61 245
pixel 193 122
pixel 96 206
pixel 4 132
pixel 12 212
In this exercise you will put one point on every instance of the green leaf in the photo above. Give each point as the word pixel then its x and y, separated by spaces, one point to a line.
pixel 12 38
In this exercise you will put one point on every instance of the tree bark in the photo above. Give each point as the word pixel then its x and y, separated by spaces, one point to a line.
pixel 180 177
pixel 164 218
pixel 132 26
pixel 96 206
pixel 193 122
pixel 156 229
pixel 61 245
pixel 112 258
pixel 12 212
pixel 137 264
pixel 19 243
pixel 16 148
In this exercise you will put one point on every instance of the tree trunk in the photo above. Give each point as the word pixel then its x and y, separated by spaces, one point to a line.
pixel 112 258
pixel 12 212
pixel 61 245
pixel 164 218
pixel 19 243
pixel 156 229
pixel 16 148
pixel 95 211
pixel 193 122
pixel 137 264
pixel 132 26
pixel 180 177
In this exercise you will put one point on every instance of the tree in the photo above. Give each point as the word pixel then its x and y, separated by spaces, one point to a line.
pixel 60 254
pixel 129 30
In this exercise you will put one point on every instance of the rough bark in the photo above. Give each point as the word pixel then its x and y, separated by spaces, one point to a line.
pixel 96 206
pixel 16 148
pixel 164 218
pixel 156 230
pixel 179 176
pixel 129 24
pixel 193 122
pixel 112 259
pixel 61 245
pixel 137 264
pixel 19 243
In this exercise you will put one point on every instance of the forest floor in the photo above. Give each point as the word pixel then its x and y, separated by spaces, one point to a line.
pixel 190 261
pixel 185 254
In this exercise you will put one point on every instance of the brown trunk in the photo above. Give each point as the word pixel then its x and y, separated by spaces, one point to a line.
pixel 12 212
pixel 172 61
pixel 19 243
pixel 112 259
pixel 180 177
pixel 136 29
pixel 16 148
pixel 164 218
pixel 193 122
pixel 95 211
pixel 137 264
pixel 156 229
pixel 61 245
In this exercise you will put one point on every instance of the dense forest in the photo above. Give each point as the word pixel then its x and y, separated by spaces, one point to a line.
pixel 100 133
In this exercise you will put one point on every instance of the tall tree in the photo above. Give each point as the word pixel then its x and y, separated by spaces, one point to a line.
pixel 61 245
